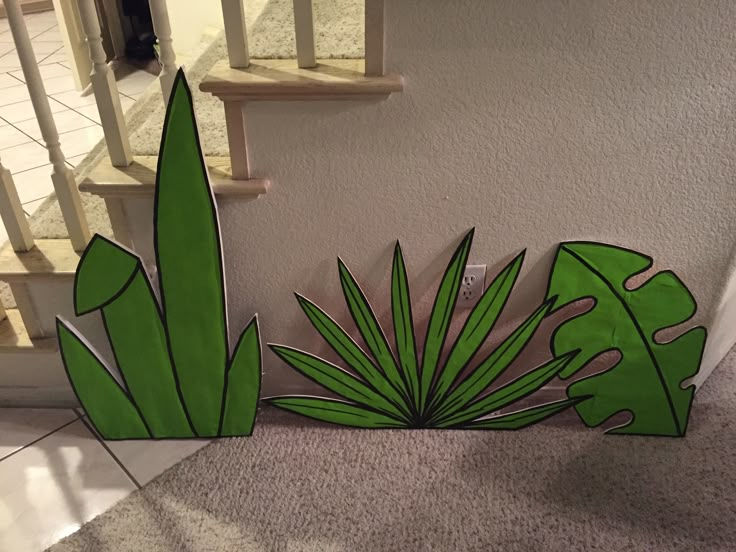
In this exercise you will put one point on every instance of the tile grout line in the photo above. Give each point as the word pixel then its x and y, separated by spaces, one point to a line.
pixel 43 143
pixel 33 200
pixel 37 440
pixel 29 136
pixel 107 448
pixel 40 61
pixel 12 76
pixel 50 97
pixel 82 114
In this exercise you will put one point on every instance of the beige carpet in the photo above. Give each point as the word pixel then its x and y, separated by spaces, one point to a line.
pixel 338 34
pixel 296 486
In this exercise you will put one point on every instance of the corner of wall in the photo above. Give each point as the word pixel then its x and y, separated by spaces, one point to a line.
pixel 722 325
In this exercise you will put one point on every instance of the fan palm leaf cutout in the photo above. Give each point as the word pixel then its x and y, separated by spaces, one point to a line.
pixel 386 390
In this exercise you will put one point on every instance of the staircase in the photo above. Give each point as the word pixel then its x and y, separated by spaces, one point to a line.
pixel 40 272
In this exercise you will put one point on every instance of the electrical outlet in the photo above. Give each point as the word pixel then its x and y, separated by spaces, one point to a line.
pixel 472 286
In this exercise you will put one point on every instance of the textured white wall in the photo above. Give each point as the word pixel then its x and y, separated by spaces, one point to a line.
pixel 189 20
pixel 535 122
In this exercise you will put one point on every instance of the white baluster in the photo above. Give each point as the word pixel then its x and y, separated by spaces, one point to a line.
pixel 14 219
pixel 61 176
pixel 162 28
pixel 304 30
pixel 236 35
pixel 114 27
pixel 105 89
pixel 237 140
pixel 374 36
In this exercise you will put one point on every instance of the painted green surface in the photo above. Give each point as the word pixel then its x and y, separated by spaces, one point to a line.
pixel 349 351
pixel 103 272
pixel 493 365
pixel 137 337
pixel 370 330
pixel 431 394
pixel 647 380
pixel 177 379
pixel 524 418
pixel 336 412
pixel 109 407
pixel 406 346
pixel 189 262
pixel 478 326
pixel 243 384
pixel 439 320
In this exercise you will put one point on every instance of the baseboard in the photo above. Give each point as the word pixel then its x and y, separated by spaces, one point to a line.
pixel 30 6
pixel 38 397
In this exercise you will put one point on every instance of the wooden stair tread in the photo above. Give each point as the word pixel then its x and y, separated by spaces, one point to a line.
pixel 281 79
pixel 48 259
pixel 139 179
pixel 14 337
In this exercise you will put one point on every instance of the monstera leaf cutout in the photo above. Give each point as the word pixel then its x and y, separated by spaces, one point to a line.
pixel 647 380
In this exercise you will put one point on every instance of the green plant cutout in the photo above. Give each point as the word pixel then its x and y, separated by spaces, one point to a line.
pixel 177 378
pixel 647 380
pixel 387 391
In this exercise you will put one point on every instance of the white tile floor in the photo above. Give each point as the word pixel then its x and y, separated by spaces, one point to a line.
pixel 22 149
pixel 55 474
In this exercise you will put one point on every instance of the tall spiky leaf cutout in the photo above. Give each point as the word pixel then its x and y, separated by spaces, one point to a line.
pixel 176 376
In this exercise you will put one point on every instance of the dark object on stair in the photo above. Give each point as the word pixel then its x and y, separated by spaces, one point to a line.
pixel 141 45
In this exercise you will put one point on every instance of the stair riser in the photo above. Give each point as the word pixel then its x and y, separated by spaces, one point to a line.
pixel 50 298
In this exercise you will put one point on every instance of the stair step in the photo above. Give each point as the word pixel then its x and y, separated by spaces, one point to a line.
pixel 139 179
pixel 14 337
pixel 281 79
pixel 49 259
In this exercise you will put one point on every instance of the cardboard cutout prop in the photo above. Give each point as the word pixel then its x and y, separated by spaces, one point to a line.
pixel 647 380
pixel 177 378
pixel 401 392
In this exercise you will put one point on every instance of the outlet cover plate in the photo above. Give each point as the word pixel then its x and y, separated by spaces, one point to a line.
pixel 472 286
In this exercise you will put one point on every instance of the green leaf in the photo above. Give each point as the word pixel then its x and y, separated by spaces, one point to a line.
pixel 107 404
pixel 134 328
pixel 493 366
pixel 189 261
pixel 478 326
pixel 242 384
pixel 647 379
pixel 523 418
pixel 335 412
pixel 335 379
pixel 351 353
pixel 439 320
pixel 370 329
pixel 404 326
pixel 103 272
pixel 511 392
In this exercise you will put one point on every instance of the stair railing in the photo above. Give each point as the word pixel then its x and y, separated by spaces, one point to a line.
pixel 61 175
pixel 236 35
